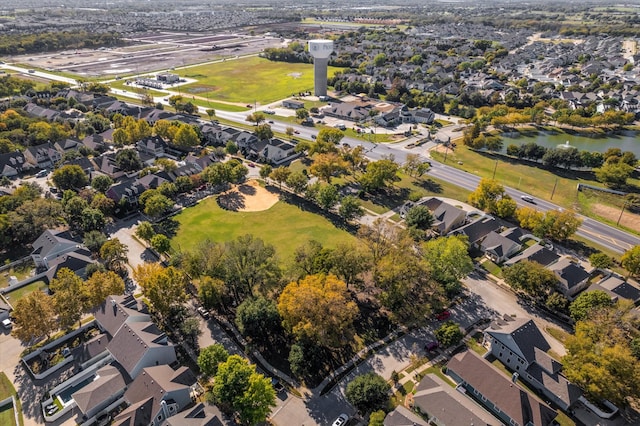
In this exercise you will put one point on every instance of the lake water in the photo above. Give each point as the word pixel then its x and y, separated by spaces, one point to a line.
pixel 626 141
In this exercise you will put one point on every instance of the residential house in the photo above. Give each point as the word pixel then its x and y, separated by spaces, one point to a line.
pixel 107 387
pixel 153 145
pixel 617 288
pixel 348 111
pixel 521 347
pixel 52 244
pixel 477 230
pixel 126 193
pixel 535 253
pixel 42 156
pixel 498 247
pixel 498 394
pixel 76 261
pixel 571 276
pixel 137 345
pixel 11 163
pixel 156 394
pixel 67 145
pixel 446 217
pixel 199 415
pixel 278 151
pixel 41 112
pixel 107 165
pixel 402 416
pixel 292 104
pixel 444 406
pixel 118 310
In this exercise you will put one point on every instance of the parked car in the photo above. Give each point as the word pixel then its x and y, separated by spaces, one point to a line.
pixel 277 385
pixel 42 173
pixel 203 312
pixel 341 420
pixel 444 315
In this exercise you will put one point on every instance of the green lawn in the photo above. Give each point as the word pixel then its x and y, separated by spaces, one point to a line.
pixel 6 413
pixel 18 294
pixel 20 272
pixel 249 80
pixel 284 225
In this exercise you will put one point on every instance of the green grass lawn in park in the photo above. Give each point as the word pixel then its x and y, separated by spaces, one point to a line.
pixel 249 80
pixel 284 225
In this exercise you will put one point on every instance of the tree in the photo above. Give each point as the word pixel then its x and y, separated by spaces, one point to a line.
pixel 160 243
pixel 92 220
pixel 237 388
pixel 297 181
pixel 448 259
pixel 631 261
pixel 256 117
pixel 68 300
pixel 289 131
pixel 128 160
pixel 33 317
pixel 100 285
pixel 350 208
pixel 69 177
pixel 211 292
pixel 531 278
pixel 103 203
pixel 449 334
pixel 157 205
pixel 318 308
pixel 614 175
pixel 231 148
pixel 419 217
pixel 586 302
pixel 251 264
pixel 414 166
pixel 348 261
pixel 332 136
pixel 487 196
pixel 93 240
pixel 186 136
pixel 302 113
pixel 325 166
pixel 210 358
pixel 327 196
pixel 258 319
pixel 101 183
pixel 145 231
pixel 265 171
pixel 280 175
pixel 368 392
pixel 32 217
pixel 377 418
pixel 114 254
pixel 529 218
pixel 600 260
pixel 211 113
pixel 164 287
pixel 558 225
pixel 379 174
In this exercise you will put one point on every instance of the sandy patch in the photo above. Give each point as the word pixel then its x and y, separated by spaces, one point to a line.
pixel 628 219
pixel 248 197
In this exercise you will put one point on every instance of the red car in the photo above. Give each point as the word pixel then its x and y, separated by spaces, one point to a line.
pixel 444 315
pixel 431 346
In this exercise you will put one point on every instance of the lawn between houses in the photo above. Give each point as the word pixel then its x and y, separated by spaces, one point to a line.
pixel 249 80
pixel 284 225
pixel 6 413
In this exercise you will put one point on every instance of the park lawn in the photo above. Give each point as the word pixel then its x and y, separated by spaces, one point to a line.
pixel 250 80
pixel 284 225
pixel 218 105
pixel 21 292
pixel 6 413
pixel 533 180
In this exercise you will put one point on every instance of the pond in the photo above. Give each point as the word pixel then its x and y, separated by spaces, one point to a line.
pixel 626 141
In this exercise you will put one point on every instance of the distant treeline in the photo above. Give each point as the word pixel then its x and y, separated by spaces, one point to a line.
pixel 54 41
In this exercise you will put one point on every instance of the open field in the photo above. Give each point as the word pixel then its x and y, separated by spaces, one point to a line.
pixel 250 79
pixel 284 225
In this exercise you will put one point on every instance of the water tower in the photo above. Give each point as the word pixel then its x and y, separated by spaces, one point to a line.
pixel 320 50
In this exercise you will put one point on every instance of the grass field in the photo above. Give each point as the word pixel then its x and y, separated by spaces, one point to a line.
pixel 6 413
pixel 284 225
pixel 18 294
pixel 249 80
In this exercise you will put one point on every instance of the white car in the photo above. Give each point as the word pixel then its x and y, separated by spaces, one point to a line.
pixel 528 199
pixel 341 420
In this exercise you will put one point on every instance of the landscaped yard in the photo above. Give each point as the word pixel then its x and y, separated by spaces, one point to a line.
pixel 6 413
pixel 15 295
pixel 284 225
pixel 20 272
pixel 250 80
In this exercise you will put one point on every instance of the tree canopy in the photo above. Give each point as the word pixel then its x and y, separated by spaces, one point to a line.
pixel 368 392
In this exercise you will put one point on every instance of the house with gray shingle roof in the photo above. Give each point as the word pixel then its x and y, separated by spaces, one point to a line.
pixel 105 389
pixel 498 394
pixel 617 288
pixel 521 347
pixel 498 247
pixel 199 415
pixel 402 416
pixel 535 253
pixel 572 278
pixel 52 244
pixel 446 217
pixel 43 156
pixel 11 163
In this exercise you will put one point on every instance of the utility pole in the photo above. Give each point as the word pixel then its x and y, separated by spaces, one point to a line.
pixel 494 170
pixel 621 211
pixel 554 189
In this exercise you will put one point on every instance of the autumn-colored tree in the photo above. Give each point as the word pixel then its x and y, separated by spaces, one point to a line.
pixel 33 317
pixel 488 197
pixel 164 287
pixel 328 165
pixel 68 297
pixel 114 254
pixel 631 260
pixel 280 175
pixel 319 308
